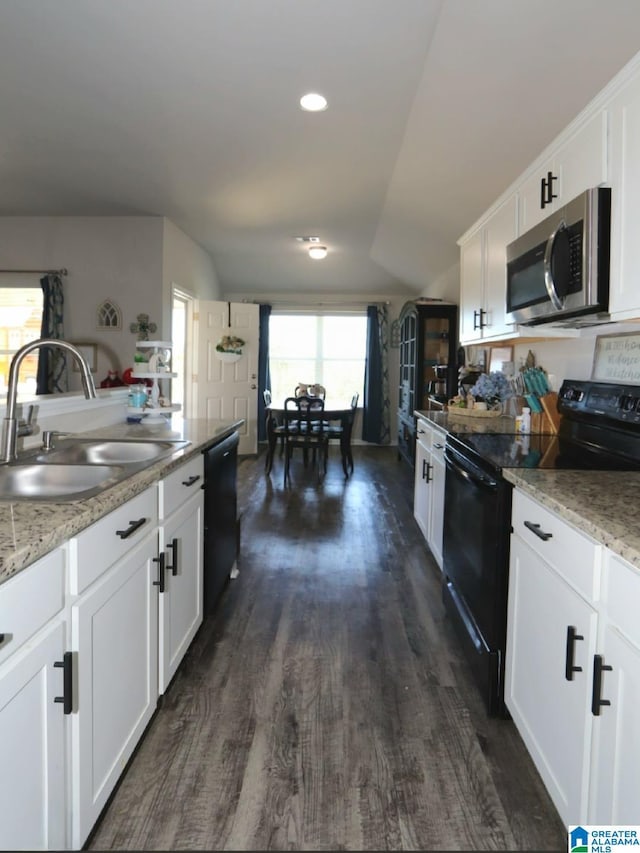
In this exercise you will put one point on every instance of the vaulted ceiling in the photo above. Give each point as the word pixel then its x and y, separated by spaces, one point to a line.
pixel 189 109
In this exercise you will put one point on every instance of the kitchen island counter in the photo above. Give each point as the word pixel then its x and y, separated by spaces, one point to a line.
pixel 29 529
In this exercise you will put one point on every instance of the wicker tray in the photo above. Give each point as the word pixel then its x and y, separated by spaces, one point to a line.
pixel 458 412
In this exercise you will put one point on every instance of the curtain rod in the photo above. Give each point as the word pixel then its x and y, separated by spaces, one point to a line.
pixel 62 271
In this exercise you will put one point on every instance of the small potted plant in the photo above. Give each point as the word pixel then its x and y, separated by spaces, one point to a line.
pixel 493 389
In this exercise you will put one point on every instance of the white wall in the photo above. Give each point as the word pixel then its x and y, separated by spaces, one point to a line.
pixel 118 258
pixel 132 260
pixel 188 266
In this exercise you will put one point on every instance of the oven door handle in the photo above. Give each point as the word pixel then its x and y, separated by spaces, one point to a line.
pixel 478 479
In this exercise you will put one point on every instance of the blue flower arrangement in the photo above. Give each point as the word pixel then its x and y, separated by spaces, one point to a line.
pixel 493 387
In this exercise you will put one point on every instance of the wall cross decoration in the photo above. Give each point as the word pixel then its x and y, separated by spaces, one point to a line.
pixel 143 327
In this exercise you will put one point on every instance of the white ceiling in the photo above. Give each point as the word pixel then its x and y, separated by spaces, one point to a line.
pixel 188 109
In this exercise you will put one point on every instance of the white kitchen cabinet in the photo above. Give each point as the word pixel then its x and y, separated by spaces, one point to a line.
pixel 574 165
pixel 421 490
pixel 483 270
pixel 33 801
pixel 572 681
pixel 550 711
pixel 437 497
pixel 181 550
pixel 624 293
pixel 615 775
pixel 115 640
pixel 428 495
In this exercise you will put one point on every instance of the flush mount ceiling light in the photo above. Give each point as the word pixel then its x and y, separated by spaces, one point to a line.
pixel 317 252
pixel 313 102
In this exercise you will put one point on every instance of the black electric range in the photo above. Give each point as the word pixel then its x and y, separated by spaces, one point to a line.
pixel 599 430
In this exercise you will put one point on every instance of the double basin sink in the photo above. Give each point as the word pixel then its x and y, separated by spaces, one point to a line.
pixel 79 468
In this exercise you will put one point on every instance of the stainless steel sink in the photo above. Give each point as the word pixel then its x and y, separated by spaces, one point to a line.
pixel 79 468
pixel 109 451
pixel 56 482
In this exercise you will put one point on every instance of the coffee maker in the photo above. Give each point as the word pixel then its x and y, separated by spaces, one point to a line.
pixel 437 387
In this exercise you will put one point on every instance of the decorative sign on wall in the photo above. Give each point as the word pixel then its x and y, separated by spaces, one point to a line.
pixel 617 358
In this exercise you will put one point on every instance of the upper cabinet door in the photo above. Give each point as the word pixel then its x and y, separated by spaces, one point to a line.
pixel 624 293
pixel 471 287
pixel 483 276
pixel 577 164
pixel 500 230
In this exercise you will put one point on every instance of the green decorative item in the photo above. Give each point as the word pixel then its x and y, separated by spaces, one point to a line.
pixel 230 344
pixel 143 327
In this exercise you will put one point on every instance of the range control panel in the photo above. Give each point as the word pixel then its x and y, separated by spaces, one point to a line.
pixel 617 402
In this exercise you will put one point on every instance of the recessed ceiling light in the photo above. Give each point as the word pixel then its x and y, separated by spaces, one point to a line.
pixel 317 252
pixel 313 102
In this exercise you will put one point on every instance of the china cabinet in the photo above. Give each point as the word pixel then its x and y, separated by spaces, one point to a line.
pixel 428 339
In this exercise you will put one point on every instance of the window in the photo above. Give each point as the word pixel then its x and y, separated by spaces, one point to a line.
pixel 20 322
pixel 325 349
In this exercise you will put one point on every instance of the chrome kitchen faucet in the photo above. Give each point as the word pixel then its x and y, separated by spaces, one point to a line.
pixel 12 428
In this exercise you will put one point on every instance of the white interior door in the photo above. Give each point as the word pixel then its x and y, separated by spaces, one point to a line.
pixel 223 390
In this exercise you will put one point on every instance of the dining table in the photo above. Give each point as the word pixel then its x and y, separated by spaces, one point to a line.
pixel 338 413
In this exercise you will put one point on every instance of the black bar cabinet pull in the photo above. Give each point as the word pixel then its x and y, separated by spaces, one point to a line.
pixel 67 683
pixel 428 478
pixel 569 667
pixel 543 193
pixel 174 556
pixel 477 323
pixel 160 561
pixel 191 480
pixel 133 526
pixel 535 528
pixel 596 701
pixel 424 469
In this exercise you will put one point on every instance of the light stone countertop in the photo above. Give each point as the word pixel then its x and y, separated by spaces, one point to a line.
pixel 30 529
pixel 603 504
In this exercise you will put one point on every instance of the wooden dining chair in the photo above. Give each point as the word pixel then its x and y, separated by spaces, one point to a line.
pixel 342 433
pixel 304 428
pixel 274 427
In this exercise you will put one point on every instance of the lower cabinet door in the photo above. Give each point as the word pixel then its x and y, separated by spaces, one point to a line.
pixel 615 775
pixel 181 601
pixel 552 713
pixel 437 500
pixel 115 636
pixel 32 746
pixel 422 488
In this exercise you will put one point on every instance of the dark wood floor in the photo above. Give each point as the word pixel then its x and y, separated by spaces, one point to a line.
pixel 326 705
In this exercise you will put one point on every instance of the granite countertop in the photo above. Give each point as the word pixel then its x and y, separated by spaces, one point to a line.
pixel 603 504
pixel 30 529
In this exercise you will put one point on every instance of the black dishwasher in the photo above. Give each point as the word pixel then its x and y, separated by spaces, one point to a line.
pixel 220 517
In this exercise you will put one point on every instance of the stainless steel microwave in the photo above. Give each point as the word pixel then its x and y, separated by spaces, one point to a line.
pixel 560 268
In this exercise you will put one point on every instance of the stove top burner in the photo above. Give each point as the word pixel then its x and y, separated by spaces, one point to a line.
pixel 599 431
pixel 542 451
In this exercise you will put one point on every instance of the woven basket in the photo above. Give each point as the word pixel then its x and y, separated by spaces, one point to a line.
pixel 459 412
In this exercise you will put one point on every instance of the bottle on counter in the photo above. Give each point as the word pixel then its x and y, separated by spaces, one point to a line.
pixel 523 421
